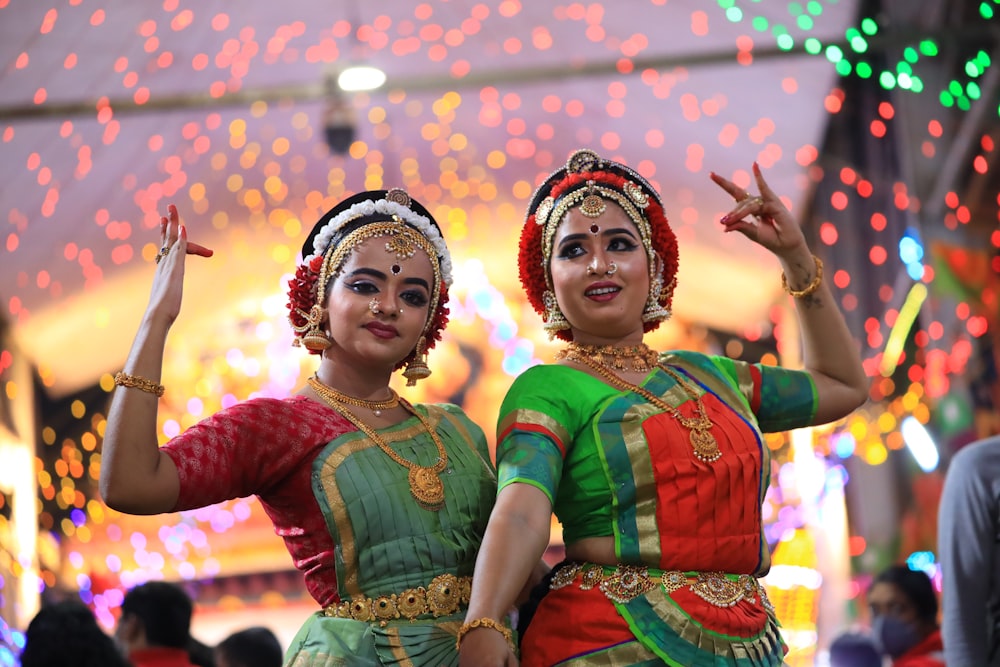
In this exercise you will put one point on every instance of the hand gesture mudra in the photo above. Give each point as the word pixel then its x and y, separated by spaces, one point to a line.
pixel 168 285
pixel 763 219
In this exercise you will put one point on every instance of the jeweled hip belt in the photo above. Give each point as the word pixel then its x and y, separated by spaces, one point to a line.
pixel 441 597
pixel 623 583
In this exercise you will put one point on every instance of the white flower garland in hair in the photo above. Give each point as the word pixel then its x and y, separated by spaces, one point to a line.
pixel 386 207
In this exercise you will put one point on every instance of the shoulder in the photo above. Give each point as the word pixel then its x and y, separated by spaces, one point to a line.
pixel 979 459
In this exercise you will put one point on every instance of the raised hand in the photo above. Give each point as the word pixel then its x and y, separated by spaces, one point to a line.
pixel 168 285
pixel 763 219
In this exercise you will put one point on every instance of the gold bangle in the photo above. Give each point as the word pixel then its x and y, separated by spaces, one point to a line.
pixel 123 379
pixel 811 287
pixel 485 622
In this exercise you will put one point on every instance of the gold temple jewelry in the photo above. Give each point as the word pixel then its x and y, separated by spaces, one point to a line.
pixel 445 595
pixel 638 358
pixel 425 481
pixel 811 287
pixel 704 444
pixel 485 622
pixel 123 379
pixel 375 406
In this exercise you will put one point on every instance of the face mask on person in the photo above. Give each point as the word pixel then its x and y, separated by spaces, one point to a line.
pixel 894 637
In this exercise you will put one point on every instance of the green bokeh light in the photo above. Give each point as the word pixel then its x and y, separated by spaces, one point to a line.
pixel 887 80
pixel 834 54
pixel 805 22
pixel 955 88
pixel 864 70
pixel 726 4
pixel 973 91
pixel 813 46
pixel 869 26
pixel 795 9
pixel 986 11
pixel 759 24
pixel 843 67
pixel 905 82
pixel 964 103
pixel 904 67
pixel 859 44
pixel 910 55
pixel 972 69
pixel 916 84
pixel 928 47
pixel 946 99
pixel 815 8
pixel 734 14
pixel 785 42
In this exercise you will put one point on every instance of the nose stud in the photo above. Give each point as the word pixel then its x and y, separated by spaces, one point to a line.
pixel 612 269
pixel 375 306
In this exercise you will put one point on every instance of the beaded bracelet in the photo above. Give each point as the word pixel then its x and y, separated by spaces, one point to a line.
pixel 123 379
pixel 811 287
pixel 485 622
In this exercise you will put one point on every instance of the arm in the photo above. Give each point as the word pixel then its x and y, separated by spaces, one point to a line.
pixel 829 352
pixel 136 477
pixel 516 538
pixel 966 546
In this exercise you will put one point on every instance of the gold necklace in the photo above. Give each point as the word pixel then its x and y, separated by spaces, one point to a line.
pixel 425 481
pixel 642 358
pixel 705 447
pixel 376 407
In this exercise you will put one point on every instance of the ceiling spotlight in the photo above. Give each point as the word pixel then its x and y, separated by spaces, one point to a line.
pixel 360 77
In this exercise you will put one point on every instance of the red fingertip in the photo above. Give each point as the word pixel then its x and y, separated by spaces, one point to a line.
pixel 184 232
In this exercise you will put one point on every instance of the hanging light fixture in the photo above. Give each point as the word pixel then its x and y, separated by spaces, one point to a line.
pixel 355 78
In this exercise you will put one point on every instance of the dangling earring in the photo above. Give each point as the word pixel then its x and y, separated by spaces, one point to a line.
pixel 654 310
pixel 554 318
pixel 313 336
pixel 417 368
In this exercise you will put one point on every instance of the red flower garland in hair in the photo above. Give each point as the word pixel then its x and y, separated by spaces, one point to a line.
pixel 529 257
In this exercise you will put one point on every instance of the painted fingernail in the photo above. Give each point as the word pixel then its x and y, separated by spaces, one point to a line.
pixel 724 219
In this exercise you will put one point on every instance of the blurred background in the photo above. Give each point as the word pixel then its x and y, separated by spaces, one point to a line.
pixel 878 121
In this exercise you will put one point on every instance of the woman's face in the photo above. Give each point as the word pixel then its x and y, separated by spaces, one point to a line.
pixel 602 305
pixel 386 334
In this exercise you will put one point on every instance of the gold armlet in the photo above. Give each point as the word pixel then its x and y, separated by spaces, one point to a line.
pixel 811 287
pixel 485 622
pixel 123 379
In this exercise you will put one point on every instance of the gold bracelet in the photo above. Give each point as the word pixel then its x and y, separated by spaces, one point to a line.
pixel 485 622
pixel 123 379
pixel 811 287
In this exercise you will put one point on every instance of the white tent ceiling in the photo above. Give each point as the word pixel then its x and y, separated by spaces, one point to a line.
pixel 218 107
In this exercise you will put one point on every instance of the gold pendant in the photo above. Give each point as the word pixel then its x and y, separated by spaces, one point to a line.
pixel 426 487
pixel 704 444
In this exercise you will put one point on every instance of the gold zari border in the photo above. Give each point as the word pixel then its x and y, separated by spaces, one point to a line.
pixel 441 597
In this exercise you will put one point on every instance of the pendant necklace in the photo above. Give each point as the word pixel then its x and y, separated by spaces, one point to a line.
pixel 425 482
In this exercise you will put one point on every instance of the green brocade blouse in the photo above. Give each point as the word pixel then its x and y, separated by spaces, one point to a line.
pixel 386 543
pixel 616 465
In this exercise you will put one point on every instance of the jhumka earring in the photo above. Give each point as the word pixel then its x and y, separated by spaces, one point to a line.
pixel 417 369
pixel 654 310
pixel 554 318
pixel 313 338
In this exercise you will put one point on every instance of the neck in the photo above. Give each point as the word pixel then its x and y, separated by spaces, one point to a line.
pixel 364 383
pixel 630 340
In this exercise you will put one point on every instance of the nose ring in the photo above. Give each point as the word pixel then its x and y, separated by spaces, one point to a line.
pixel 612 269
pixel 375 306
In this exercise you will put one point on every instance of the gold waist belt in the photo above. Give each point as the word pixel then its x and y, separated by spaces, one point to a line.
pixel 623 583
pixel 441 597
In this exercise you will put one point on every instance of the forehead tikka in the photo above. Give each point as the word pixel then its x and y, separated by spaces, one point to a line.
pixel 593 205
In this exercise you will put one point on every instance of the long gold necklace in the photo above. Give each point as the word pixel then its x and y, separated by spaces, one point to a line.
pixel 425 481
pixel 705 447
pixel 326 391
pixel 640 358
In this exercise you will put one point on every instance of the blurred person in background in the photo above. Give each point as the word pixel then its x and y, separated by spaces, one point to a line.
pixel 968 533
pixel 155 625
pixel 904 610
pixel 66 634
pixel 252 647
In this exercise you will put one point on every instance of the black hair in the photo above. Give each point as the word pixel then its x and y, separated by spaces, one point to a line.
pixel 66 633
pixel 916 586
pixel 253 647
pixel 164 609
pixel 852 649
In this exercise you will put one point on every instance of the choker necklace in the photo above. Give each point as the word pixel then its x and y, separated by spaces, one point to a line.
pixel 425 482
pixel 326 391
pixel 705 447
pixel 637 358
